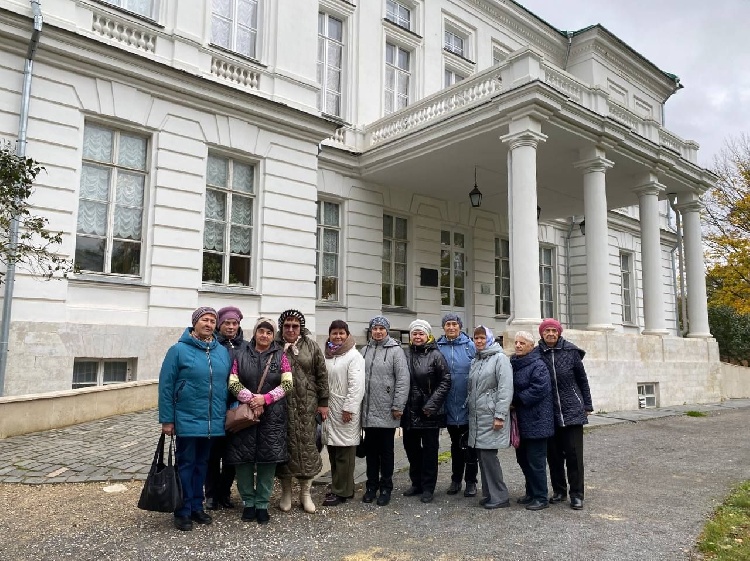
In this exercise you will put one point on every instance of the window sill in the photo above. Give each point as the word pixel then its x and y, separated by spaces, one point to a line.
pixel 93 278
pixel 458 56
pixel 402 28
pixel 140 17
pixel 227 289
pixel 397 310
pixel 329 305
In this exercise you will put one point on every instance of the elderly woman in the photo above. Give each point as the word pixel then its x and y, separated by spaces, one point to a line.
pixel 532 402
pixel 490 392
pixel 343 426
pixel 309 396
pixel 424 415
pixel 261 377
pixel 192 406
pixel 386 390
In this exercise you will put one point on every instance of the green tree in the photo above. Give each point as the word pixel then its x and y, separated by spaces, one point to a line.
pixel 34 250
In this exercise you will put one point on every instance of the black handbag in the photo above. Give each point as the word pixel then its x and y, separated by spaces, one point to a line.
pixel 162 491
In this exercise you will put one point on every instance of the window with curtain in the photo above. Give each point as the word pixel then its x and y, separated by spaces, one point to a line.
pixel 110 201
pixel 454 43
pixel 327 251
pixel 397 77
pixel 330 63
pixel 228 228
pixel 394 260
pixel 234 25
pixel 88 372
pixel 397 13
pixel 546 282
pixel 140 7
pixel 626 284
pixel 502 277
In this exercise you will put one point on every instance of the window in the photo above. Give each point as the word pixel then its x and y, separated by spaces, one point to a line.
pixel 452 77
pixel 546 282
pixel 140 7
pixel 95 372
pixel 454 43
pixel 397 78
pixel 498 56
pixel 327 251
pixel 330 62
pixel 398 14
pixel 228 229
pixel 626 277
pixel 234 25
pixel 502 277
pixel 452 269
pixel 647 395
pixel 110 204
pixel 394 260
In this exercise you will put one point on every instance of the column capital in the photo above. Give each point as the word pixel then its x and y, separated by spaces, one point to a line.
pixel 690 206
pixel 595 164
pixel 523 138
pixel 649 188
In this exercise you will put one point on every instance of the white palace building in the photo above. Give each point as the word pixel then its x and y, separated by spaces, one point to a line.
pixel 319 155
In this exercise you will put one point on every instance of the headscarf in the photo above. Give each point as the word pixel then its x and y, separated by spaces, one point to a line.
pixel 299 316
pixel 550 322
pixel 202 311
pixel 488 333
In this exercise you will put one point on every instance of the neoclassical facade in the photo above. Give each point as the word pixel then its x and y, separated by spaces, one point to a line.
pixel 320 155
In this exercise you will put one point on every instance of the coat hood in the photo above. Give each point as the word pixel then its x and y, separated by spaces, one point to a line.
pixel 562 345
pixel 385 343
pixel 493 349
pixel 462 339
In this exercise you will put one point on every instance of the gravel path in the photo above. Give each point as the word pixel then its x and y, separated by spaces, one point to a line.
pixel 650 487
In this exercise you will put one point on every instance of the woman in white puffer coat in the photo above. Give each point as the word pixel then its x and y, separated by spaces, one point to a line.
pixel 343 425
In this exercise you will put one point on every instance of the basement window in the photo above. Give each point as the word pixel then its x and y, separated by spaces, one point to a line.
pixel 90 372
pixel 647 395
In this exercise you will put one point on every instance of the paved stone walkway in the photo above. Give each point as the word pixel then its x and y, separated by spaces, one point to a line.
pixel 121 448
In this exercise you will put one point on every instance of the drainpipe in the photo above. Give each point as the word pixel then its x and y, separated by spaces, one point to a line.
pixel 672 198
pixel 567 54
pixel 567 270
pixel 23 122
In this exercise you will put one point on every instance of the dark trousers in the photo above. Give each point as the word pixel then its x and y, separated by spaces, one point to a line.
pixel 380 458
pixel 421 447
pixel 462 460
pixel 220 475
pixel 531 455
pixel 342 460
pixel 192 463
pixel 565 449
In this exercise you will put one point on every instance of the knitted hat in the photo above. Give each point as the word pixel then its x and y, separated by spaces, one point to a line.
pixel 296 314
pixel 381 321
pixel 420 325
pixel 202 311
pixel 450 316
pixel 550 322
pixel 268 323
pixel 230 312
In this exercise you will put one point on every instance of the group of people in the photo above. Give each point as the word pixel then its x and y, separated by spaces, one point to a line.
pixel 348 398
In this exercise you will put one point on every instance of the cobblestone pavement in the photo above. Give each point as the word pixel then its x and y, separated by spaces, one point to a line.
pixel 121 448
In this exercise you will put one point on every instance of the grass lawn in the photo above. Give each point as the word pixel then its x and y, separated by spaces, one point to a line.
pixel 726 536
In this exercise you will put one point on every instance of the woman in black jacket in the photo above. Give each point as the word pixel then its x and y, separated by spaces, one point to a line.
pixel 424 414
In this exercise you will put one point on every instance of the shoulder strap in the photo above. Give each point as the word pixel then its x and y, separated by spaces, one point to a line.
pixel 265 373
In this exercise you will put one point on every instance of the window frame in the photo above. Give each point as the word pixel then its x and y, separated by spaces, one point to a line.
pixel 153 16
pixel 130 373
pixel 451 46
pixel 408 7
pixel 502 264
pixel 323 91
pixel 232 47
pixel 229 194
pixel 391 237
pixel 320 230
pixel 393 95
pixel 452 77
pixel 644 396
pixel 551 266
pixel 627 300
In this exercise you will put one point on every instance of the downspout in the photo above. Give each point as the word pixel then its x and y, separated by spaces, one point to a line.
pixel 678 227
pixel 23 123
pixel 567 271
pixel 567 54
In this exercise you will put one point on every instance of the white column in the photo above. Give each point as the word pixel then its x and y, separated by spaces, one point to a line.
pixel 525 134
pixel 595 166
pixel 690 206
pixel 653 287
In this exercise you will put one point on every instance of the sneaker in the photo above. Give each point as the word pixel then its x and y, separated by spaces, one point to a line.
pixel 412 491
pixel 369 495
pixel 262 516
pixel 454 488
pixel 471 490
pixel 183 523
pixel 248 513
pixel 426 497
pixel 385 497
pixel 201 517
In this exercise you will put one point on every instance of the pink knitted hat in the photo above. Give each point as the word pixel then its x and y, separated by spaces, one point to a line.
pixel 550 322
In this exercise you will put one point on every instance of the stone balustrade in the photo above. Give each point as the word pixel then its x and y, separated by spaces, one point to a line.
pixel 234 72
pixel 124 32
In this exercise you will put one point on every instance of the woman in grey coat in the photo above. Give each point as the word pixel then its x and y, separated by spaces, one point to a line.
pixel 490 392
pixel 386 390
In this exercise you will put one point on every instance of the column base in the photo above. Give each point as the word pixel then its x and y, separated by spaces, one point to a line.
pixel 658 332
pixel 600 327
pixel 699 335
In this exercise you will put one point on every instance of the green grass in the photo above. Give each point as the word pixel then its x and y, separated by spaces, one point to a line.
pixel 444 457
pixel 696 414
pixel 726 536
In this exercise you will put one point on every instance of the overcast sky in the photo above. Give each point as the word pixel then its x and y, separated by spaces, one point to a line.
pixel 707 44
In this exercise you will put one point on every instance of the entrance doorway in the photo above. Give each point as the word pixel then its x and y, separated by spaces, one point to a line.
pixel 454 276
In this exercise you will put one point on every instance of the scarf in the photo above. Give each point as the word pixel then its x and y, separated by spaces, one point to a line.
pixel 338 350
pixel 293 346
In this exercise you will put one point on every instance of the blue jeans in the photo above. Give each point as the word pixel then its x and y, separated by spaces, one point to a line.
pixel 192 464
pixel 531 455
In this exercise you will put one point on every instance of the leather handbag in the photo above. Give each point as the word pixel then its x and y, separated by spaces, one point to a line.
pixel 515 435
pixel 162 491
pixel 243 415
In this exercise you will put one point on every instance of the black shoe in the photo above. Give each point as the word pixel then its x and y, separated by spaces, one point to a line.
pixel 226 503
pixel 262 516
pixel 537 504
pixel 471 490
pixel 212 504
pixel 454 488
pixel 526 499
pixel 412 491
pixel 491 506
pixel 183 523
pixel 369 495
pixel 249 513
pixel 333 500
pixel 201 517
pixel 385 497
pixel 557 498
pixel 426 497
pixel 576 503
pixel 483 501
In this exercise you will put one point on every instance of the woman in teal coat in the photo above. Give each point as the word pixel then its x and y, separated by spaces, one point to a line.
pixel 192 406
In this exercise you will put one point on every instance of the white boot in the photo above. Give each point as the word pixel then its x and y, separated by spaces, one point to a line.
pixel 285 503
pixel 304 495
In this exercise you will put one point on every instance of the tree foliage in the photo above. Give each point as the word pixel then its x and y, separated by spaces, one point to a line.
pixel 730 330
pixel 727 227
pixel 35 248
